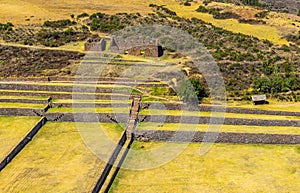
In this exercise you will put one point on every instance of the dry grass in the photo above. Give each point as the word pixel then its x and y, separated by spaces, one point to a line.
pixel 12 131
pixel 216 114
pixel 273 106
pixel 22 105
pixel 268 32
pixel 223 128
pixel 90 110
pixel 57 160
pixel 17 11
pixel 225 168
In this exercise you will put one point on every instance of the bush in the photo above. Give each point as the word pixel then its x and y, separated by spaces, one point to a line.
pixel 202 9
pixel 82 15
pixel 6 27
pixel 59 23
pixel 191 91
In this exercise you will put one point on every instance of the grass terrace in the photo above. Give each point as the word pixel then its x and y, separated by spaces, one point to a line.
pixel 223 128
pixel 225 168
pixel 273 106
pixel 216 114
pixel 57 160
pixel 89 110
pixel 22 105
pixel 24 97
pixel 12 131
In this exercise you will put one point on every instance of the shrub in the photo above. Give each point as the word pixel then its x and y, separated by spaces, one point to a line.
pixel 59 23
pixel 202 9
pixel 82 15
pixel 191 91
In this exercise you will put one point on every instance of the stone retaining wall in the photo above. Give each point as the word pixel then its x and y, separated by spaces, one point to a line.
pixel 241 138
pixel 6 86
pixel 90 105
pixel 85 117
pixel 20 112
pixel 227 121
pixel 65 96
pixel 23 143
pixel 110 164
pixel 31 101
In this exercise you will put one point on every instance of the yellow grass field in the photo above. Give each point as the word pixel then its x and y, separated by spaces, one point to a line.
pixel 273 106
pixel 223 128
pixel 37 11
pixel 225 168
pixel 217 114
pixel 21 105
pixel 57 160
pixel 12 131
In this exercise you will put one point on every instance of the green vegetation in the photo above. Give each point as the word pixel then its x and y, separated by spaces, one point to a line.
pixel 6 27
pixel 191 91
pixel 59 23
pixel 82 15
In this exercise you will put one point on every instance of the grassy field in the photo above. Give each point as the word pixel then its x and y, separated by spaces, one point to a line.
pixel 89 110
pixel 225 168
pixel 57 92
pixel 223 128
pixel 71 84
pixel 90 101
pixel 57 160
pixel 24 97
pixel 216 114
pixel 12 131
pixel 273 106
pixel 268 32
pixel 22 105
pixel 37 12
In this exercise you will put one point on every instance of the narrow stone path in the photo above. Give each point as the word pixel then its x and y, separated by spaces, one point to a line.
pixel 133 117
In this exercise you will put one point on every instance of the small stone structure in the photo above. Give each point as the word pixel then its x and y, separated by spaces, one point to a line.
pixel 136 47
pixel 95 44
pixel 259 99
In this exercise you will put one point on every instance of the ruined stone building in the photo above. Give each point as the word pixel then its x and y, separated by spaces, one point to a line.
pixel 133 46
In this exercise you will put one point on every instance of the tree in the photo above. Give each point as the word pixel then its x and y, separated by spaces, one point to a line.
pixel 191 91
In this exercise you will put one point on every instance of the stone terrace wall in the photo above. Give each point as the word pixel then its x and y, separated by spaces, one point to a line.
pixel 227 121
pixel 31 101
pixel 65 95
pixel 90 105
pixel 84 117
pixel 6 86
pixel 72 79
pixel 20 111
pixel 242 138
